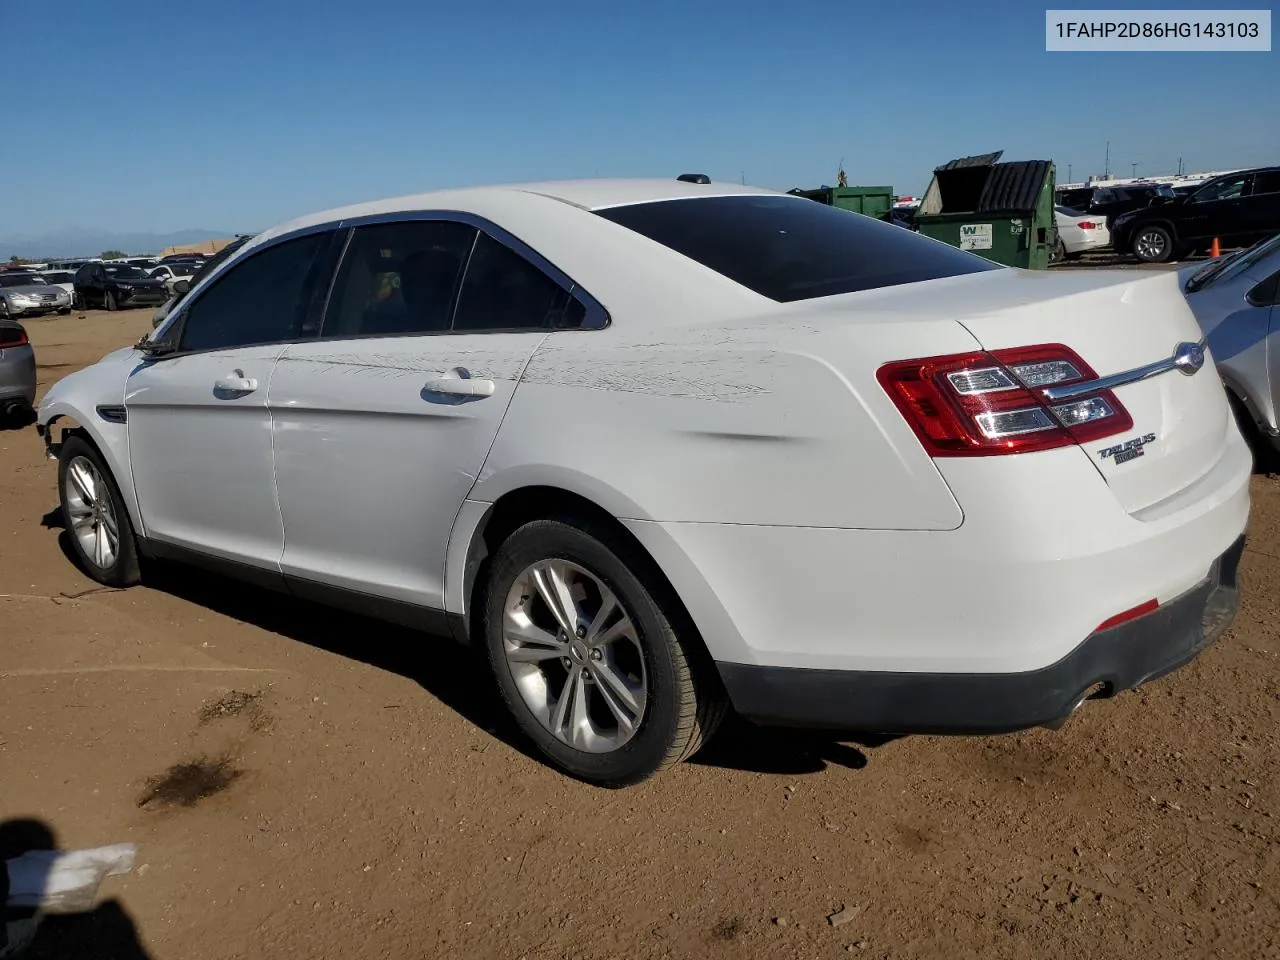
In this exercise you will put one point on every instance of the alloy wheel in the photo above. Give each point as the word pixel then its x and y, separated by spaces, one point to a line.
pixel 575 656
pixel 1151 245
pixel 92 513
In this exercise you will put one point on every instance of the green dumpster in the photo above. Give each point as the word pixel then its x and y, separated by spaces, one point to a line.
pixel 872 201
pixel 1001 211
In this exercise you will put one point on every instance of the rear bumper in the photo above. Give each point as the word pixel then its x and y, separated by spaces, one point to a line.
pixel 1106 663
pixel 18 375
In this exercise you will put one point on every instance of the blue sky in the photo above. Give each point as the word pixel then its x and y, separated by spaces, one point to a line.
pixel 235 114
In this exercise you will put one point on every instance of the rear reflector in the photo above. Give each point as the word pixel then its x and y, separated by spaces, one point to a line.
pixel 1141 610
pixel 982 404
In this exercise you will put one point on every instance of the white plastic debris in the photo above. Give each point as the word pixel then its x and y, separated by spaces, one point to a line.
pixel 65 881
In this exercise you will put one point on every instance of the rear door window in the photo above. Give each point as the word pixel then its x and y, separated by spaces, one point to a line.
pixel 790 248
pixel 1267 182
pixel 399 279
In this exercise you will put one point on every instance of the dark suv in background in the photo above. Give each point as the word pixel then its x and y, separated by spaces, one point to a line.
pixel 1237 209
pixel 114 285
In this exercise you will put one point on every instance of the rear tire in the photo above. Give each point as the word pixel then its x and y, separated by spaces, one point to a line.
pixel 1154 244
pixel 94 516
pixel 637 703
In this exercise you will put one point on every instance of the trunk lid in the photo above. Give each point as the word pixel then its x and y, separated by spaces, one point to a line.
pixel 1118 321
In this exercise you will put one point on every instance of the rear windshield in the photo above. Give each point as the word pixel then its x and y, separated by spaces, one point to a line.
pixel 790 248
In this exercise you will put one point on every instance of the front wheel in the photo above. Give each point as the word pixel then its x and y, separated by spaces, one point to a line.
pixel 109 300
pixel 95 517
pixel 587 658
pixel 63 311
pixel 1153 245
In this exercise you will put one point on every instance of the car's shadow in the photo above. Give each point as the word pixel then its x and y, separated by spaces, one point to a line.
pixel 458 676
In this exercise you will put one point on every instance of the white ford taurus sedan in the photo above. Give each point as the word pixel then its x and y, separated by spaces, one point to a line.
pixel 664 448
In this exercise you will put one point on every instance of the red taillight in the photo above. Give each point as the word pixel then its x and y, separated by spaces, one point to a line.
pixel 981 404
pixel 1086 225
pixel 1133 613
pixel 12 336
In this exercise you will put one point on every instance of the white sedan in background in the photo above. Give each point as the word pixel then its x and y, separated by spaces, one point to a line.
pixel 64 279
pixel 664 448
pixel 171 273
pixel 1079 233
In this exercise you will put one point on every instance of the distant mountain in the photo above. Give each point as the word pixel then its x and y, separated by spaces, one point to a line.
pixel 78 242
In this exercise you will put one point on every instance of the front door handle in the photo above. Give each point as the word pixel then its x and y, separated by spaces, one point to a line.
pixel 236 382
pixel 459 383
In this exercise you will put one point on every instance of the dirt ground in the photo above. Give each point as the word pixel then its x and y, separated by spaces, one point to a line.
pixel 306 784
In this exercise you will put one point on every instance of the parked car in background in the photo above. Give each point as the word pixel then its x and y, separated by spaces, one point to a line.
pixel 902 217
pixel 1238 209
pixel 1236 301
pixel 72 265
pixel 143 263
pixel 17 373
pixel 28 294
pixel 171 273
pixel 1108 202
pixel 1078 233
pixel 60 278
pixel 180 287
pixel 115 285
pixel 445 409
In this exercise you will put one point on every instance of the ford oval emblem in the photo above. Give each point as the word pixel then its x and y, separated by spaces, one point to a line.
pixel 1188 357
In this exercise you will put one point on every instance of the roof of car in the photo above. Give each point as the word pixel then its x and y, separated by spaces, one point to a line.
pixel 587 194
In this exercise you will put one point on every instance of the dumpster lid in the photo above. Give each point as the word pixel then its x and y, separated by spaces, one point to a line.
pixel 1013 186
pixel 978 160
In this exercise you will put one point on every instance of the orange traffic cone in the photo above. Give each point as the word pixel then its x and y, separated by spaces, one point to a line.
pixel 1215 250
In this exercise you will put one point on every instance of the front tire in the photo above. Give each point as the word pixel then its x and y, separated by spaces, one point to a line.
pixel 1153 244
pixel 63 311
pixel 587 659
pixel 109 300
pixel 94 516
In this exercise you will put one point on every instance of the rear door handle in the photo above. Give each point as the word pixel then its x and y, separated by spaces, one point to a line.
pixel 459 383
pixel 237 382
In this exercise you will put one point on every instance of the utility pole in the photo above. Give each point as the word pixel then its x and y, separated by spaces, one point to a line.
pixel 1069 180
pixel 1179 166
pixel 744 178
pixel 1106 167
pixel 1135 170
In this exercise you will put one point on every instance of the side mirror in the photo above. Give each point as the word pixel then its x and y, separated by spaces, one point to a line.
pixel 181 286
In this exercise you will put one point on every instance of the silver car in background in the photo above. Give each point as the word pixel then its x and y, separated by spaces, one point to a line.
pixel 17 374
pixel 28 294
pixel 1236 301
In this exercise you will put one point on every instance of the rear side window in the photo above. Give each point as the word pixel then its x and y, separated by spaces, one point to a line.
pixel 258 300
pixel 790 249
pixel 504 291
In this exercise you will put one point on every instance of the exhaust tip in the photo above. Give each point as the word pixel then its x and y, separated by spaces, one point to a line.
pixel 1099 690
